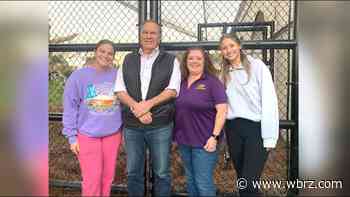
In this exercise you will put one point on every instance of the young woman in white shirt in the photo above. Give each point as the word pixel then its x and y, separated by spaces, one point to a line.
pixel 252 125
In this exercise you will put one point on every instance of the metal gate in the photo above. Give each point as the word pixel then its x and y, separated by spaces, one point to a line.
pixel 267 29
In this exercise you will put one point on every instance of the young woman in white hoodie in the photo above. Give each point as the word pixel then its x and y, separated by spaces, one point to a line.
pixel 252 125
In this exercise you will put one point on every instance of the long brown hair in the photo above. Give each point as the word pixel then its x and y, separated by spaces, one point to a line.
pixel 224 74
pixel 208 64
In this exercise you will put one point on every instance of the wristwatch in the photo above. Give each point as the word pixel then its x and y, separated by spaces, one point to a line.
pixel 216 137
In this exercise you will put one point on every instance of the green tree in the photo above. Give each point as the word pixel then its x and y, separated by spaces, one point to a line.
pixel 59 71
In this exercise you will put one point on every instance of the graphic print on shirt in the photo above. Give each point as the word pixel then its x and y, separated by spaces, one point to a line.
pixel 100 99
pixel 200 87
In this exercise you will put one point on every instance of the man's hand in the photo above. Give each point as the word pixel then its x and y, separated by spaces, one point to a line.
pixel 141 108
pixel 146 105
pixel 138 110
pixel 147 118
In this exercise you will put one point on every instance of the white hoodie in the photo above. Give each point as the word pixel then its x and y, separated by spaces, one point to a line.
pixel 255 100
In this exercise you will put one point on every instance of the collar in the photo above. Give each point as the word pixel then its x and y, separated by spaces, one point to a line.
pixel 203 76
pixel 155 52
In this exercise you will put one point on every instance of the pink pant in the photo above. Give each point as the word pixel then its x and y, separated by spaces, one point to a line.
pixel 97 158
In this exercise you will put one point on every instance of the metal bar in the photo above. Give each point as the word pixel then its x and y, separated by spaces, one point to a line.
pixel 295 25
pixel 213 45
pixel 272 51
pixel 160 19
pixel 233 29
pixel 142 13
pixel 266 23
pixel 152 15
pixel 264 53
pixel 248 28
pixel 294 159
pixel 199 32
pixel 224 30
pixel 289 16
pixel 88 47
pixel 284 124
pixel 244 26
pixel 77 185
pixel 205 20
pixel 208 45
pixel 287 124
pixel 288 152
pixel 288 84
pixel 160 12
pixel 154 10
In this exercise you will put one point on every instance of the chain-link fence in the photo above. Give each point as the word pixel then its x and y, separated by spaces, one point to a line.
pixel 87 22
pixel 90 21
pixel 180 19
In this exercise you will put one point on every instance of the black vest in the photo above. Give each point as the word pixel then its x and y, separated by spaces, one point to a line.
pixel 162 69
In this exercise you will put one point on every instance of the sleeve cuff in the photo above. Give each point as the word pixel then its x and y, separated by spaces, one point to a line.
pixel 118 89
pixel 173 89
pixel 270 143
pixel 72 139
pixel 220 102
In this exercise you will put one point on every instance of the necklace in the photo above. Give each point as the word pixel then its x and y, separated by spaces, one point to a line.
pixel 235 67
pixel 231 68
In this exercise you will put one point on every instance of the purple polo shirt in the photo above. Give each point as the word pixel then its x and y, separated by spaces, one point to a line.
pixel 195 110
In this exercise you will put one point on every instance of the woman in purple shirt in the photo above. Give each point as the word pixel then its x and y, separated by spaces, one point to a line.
pixel 200 116
pixel 92 120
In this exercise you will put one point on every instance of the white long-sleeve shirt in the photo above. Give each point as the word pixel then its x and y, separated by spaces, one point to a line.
pixel 146 74
pixel 255 100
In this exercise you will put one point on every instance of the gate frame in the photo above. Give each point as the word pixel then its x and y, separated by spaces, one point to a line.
pixel 293 83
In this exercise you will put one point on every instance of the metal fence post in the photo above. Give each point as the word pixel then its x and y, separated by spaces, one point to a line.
pixel 142 9
pixel 154 14
pixel 294 159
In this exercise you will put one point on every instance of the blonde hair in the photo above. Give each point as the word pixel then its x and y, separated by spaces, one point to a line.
pixel 224 71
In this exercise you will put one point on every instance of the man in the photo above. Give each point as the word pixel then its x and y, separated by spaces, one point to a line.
pixel 147 86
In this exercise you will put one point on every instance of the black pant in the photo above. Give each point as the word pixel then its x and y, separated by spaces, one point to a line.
pixel 246 151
